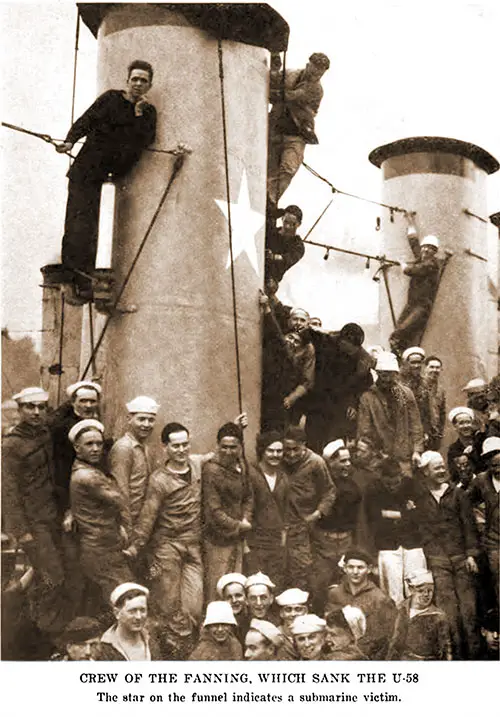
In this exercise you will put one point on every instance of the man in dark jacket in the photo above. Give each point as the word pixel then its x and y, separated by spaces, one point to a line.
pixel 424 281
pixel 227 500
pixel 284 247
pixel 118 127
pixel 28 497
pixel 450 543
pixel 342 374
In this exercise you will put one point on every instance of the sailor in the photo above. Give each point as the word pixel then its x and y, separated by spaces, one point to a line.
pixel 469 440
pixel 129 637
pixel 424 280
pixel 227 501
pixel 450 543
pixel 129 458
pixel 217 640
pixel 231 588
pixel 97 508
pixel 477 399
pixel 291 121
pixel 292 603
pixel 259 589
pixel 422 630
pixel 389 416
pixel 83 402
pixel 284 247
pixel 80 640
pixel 434 420
pixel 168 529
pixel 262 641
pixel 309 633
pixel 344 627
pixel 118 127
pixel 29 508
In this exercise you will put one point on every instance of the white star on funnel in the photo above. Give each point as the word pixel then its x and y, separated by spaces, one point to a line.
pixel 245 223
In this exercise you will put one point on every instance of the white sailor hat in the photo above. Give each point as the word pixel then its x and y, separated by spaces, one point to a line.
pixel 430 240
pixel 428 456
pixel 491 445
pixel 333 447
pixel 387 361
pixel 292 596
pixel 356 620
pixel 297 311
pixel 420 577
pixel 125 588
pixel 226 580
pixel 219 612
pixel 475 385
pixel 259 579
pixel 413 350
pixel 71 390
pixel 82 426
pixel 32 394
pixel 305 624
pixel 458 410
pixel 143 404
pixel 270 631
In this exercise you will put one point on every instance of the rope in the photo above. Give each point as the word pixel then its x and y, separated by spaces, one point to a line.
pixel 381 258
pixel 354 196
pixel 61 340
pixel 383 270
pixel 282 136
pixel 230 228
pixel 179 161
pixel 39 135
pixel 73 93
pixel 92 341
pixel 318 219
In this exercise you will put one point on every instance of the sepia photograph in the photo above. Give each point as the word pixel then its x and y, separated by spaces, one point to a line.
pixel 250 357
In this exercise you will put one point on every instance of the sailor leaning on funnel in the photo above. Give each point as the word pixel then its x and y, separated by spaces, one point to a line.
pixel 424 280
pixel 117 127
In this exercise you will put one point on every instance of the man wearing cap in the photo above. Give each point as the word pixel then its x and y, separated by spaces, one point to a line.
pixel 129 459
pixel 83 402
pixel 29 507
pixel 217 640
pixel 411 375
pixel 357 589
pixel 333 533
pixel 266 540
pixel 259 590
pixel 422 631
pixel 97 509
pixel 485 489
pixel 295 101
pixel 309 632
pixel 389 416
pixel 262 641
pixel 129 638
pixel 284 247
pixel 390 510
pixel 292 603
pixel 434 418
pixel 227 500
pixel 168 529
pixel 469 440
pixel 311 495
pixel 424 282
pixel 231 588
pixel 344 627
pixel 450 543
pixel 80 640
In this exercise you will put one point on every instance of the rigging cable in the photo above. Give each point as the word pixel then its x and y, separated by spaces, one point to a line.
pixel 61 347
pixel 179 161
pixel 230 229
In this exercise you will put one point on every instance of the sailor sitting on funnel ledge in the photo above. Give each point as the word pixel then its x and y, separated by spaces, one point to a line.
pixel 117 127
